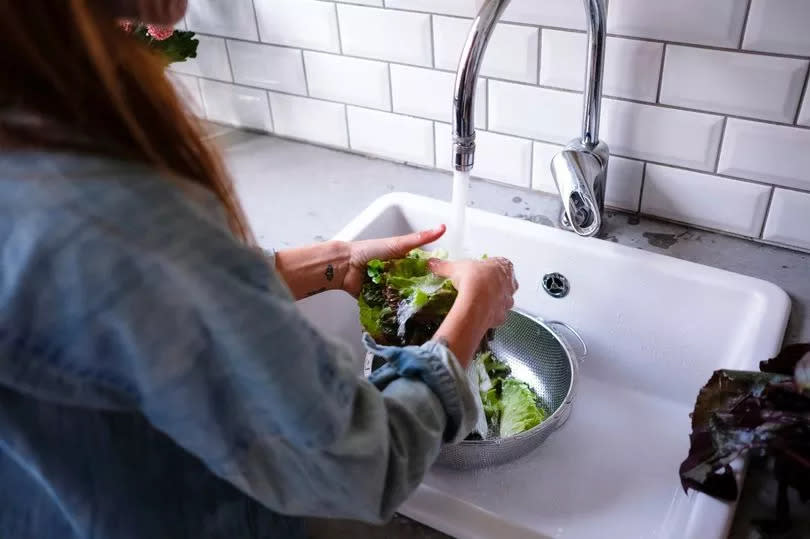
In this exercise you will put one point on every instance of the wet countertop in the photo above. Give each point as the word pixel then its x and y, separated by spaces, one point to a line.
pixel 295 193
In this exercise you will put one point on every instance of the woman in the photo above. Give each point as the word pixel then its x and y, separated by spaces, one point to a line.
pixel 156 378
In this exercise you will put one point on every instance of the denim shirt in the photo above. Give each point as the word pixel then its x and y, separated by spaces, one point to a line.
pixel 157 379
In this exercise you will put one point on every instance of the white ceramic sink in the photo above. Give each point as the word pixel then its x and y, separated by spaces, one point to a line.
pixel 656 328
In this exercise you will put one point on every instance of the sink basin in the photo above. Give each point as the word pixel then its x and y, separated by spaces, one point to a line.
pixel 656 328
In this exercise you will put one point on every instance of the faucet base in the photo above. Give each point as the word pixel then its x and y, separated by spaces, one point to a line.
pixel 580 172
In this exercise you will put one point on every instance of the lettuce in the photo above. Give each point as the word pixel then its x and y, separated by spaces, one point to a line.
pixel 765 415
pixel 520 411
pixel 402 302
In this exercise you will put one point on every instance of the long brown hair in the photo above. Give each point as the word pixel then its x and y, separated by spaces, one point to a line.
pixel 68 63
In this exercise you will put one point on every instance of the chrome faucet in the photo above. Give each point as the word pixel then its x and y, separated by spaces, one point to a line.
pixel 580 169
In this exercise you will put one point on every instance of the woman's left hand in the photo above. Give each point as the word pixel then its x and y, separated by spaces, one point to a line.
pixel 361 252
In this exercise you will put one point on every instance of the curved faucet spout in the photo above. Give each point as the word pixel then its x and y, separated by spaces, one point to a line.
pixel 581 171
pixel 592 105
pixel 468 68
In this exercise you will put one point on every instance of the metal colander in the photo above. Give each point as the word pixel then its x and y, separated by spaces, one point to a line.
pixel 540 356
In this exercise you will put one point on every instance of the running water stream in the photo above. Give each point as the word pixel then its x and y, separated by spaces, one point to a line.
pixel 461 191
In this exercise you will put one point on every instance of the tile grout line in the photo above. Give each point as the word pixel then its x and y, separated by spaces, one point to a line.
pixel 346 121
pixel 435 153
pixel 539 55
pixel 198 84
pixel 745 24
pixel 547 87
pixel 337 24
pixel 486 103
pixel 270 106
pixel 716 167
pixel 306 76
pixel 641 189
pixel 802 96
pixel 661 74
pixel 767 212
pixel 390 88
pixel 256 21
pixel 432 44
pixel 230 64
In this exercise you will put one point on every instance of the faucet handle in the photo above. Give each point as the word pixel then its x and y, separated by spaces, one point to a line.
pixel 574 173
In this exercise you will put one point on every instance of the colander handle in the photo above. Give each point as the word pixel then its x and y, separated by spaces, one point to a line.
pixel 556 323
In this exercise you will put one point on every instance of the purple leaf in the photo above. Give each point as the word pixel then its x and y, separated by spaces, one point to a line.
pixel 785 362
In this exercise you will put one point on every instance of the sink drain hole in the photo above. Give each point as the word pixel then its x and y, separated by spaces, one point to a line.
pixel 556 285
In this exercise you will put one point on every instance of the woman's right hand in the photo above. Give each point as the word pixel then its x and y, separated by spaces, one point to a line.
pixel 485 296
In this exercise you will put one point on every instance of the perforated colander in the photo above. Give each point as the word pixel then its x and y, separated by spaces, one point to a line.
pixel 540 356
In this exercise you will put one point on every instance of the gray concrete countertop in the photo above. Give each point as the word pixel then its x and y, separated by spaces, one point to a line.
pixel 296 193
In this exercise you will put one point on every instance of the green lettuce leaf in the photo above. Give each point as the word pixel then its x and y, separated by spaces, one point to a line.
pixel 375 270
pixel 495 368
pixel 441 254
pixel 520 410
pixel 417 300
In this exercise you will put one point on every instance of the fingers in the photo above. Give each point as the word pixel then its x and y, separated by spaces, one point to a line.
pixel 442 268
pixel 402 245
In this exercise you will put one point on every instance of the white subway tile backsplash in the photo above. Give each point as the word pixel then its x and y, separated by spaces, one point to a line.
pixel 511 53
pixel 677 137
pixel 714 22
pixel 310 24
pixel 230 18
pixel 693 198
pixel 631 66
pixel 398 36
pixel 236 105
pixel 543 153
pixel 555 13
pixel 623 181
pixel 310 119
pixel 742 84
pixel 767 153
pixel 778 26
pixel 789 219
pixel 429 93
pixel 349 80
pixel 266 66
pixel 377 77
pixel 390 135
pixel 449 34
pixel 464 8
pixel 211 61
pixel 539 113
pixel 188 89
pixel 500 158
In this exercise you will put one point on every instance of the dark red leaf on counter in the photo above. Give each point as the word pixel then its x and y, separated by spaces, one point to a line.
pixel 764 414
pixel 785 362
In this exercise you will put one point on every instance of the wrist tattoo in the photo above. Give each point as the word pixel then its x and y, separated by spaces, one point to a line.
pixel 314 292
pixel 330 272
